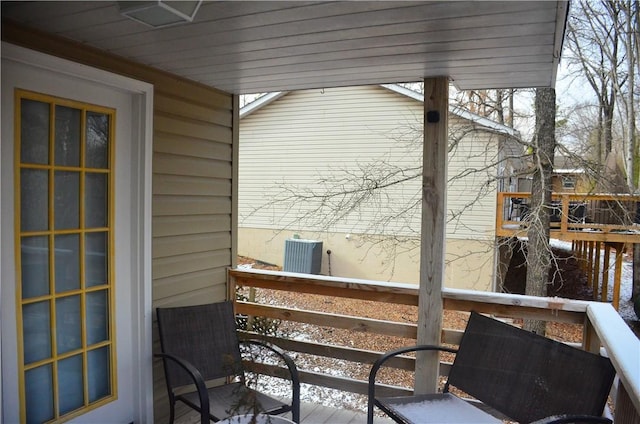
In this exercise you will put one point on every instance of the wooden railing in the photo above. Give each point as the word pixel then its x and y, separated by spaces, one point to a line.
pixel 604 330
pixel 589 217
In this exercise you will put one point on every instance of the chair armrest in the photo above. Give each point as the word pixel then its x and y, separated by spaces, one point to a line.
pixel 569 419
pixel 384 358
pixel 195 375
pixel 293 371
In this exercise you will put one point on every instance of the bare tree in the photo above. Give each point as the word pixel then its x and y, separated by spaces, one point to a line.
pixel 592 45
pixel 493 104
pixel 603 46
pixel 538 254
pixel 370 187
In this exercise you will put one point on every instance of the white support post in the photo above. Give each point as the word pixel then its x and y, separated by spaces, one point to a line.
pixel 434 185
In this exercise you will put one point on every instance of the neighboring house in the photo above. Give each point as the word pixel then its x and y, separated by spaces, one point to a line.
pixel 293 141
pixel 570 180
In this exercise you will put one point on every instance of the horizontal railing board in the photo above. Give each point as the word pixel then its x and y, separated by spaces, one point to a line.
pixel 368 325
pixel 339 287
pixel 332 351
pixel 515 311
pixel 346 353
pixel 329 381
pixel 379 291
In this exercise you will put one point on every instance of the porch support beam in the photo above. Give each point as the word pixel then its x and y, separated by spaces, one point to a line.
pixel 434 187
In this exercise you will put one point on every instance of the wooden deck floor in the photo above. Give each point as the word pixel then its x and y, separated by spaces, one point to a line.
pixel 309 414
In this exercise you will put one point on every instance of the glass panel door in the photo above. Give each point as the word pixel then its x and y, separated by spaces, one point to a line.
pixel 65 256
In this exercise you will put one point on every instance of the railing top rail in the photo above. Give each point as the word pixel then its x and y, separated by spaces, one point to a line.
pixel 324 280
pixel 622 346
pixel 553 303
pixel 581 196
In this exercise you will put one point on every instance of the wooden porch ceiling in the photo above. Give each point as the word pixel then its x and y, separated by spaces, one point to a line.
pixel 259 46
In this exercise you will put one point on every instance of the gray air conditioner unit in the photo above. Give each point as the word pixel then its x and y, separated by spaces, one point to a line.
pixel 302 256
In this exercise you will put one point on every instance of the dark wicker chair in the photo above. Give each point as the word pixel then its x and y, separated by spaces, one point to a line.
pixel 200 344
pixel 526 377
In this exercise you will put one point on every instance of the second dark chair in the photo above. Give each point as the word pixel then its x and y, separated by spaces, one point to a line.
pixel 521 375
pixel 200 344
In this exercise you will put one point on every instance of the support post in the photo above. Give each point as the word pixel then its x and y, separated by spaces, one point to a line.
pixel 605 273
pixel 434 184
pixel 596 272
pixel 617 276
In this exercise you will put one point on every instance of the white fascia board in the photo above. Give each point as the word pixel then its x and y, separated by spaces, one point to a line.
pixel 458 111
pixel 260 102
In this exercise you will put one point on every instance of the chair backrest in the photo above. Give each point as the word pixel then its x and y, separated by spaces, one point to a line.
pixel 204 335
pixel 526 376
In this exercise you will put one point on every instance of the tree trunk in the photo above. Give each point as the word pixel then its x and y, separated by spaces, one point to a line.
pixel 609 110
pixel 630 99
pixel 539 253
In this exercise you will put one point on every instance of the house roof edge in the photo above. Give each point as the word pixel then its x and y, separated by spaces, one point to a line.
pixel 456 110
pixel 260 102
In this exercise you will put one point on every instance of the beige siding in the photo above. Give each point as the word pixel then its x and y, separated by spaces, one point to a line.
pixel 471 191
pixel 305 135
pixel 192 182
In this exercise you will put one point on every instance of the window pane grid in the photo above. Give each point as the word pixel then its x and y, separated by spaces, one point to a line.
pixel 73 382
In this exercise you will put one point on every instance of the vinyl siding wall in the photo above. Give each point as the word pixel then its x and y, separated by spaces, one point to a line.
pixel 193 208
pixel 306 135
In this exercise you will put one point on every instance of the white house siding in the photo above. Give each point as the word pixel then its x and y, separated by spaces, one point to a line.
pixel 305 135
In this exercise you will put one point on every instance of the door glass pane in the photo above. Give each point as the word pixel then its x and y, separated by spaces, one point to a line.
pixel 68 319
pixel 66 203
pixel 97 317
pixel 67 262
pixel 67 142
pixel 97 147
pixel 39 394
pixel 37 331
pixel 98 373
pixel 96 259
pixel 96 200
pixel 34 132
pixel 64 160
pixel 70 385
pixel 34 262
pixel 34 200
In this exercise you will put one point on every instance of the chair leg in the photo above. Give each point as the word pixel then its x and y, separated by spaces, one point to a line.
pixel 370 413
pixel 172 412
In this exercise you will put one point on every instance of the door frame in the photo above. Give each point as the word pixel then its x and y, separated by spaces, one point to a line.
pixel 140 213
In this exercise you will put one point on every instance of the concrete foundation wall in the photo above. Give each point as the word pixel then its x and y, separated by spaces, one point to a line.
pixel 470 263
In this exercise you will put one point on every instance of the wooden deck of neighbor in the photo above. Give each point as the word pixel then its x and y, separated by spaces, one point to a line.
pixel 309 414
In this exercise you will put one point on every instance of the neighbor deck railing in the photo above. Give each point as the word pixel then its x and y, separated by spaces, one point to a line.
pixel 574 216
pixel 604 330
